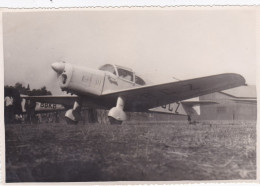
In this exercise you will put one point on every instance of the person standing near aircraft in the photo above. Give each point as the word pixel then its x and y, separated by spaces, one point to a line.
pixel 9 109
pixel 30 106
pixel 189 119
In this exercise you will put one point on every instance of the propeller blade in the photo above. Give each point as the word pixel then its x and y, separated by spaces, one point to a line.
pixel 58 67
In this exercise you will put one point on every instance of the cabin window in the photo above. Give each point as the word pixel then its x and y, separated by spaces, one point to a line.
pixel 139 80
pixel 108 68
pixel 125 74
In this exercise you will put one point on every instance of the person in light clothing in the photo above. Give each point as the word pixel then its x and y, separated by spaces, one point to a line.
pixel 9 109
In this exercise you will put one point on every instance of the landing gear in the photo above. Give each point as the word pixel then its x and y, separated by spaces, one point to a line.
pixel 116 115
pixel 72 116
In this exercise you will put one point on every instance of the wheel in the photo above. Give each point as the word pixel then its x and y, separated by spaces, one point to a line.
pixel 69 121
pixel 113 121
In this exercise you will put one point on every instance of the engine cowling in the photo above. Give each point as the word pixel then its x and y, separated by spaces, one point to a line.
pixel 77 79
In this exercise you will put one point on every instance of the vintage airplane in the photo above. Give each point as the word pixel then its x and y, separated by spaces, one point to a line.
pixel 120 90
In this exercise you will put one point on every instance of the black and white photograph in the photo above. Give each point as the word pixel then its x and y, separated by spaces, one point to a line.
pixel 130 94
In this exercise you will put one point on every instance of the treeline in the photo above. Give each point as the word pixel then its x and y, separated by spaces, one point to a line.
pixel 19 88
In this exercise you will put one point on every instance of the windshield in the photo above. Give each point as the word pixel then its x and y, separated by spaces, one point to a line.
pixel 108 68
pixel 125 74
pixel 139 80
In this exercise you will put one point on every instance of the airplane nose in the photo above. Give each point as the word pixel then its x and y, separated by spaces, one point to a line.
pixel 58 67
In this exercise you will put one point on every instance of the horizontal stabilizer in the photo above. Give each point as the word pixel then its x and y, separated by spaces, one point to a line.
pixel 194 103
pixel 254 101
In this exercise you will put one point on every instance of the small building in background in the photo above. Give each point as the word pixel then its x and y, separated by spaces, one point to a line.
pixel 233 104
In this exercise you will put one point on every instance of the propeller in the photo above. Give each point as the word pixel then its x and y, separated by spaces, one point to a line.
pixel 58 67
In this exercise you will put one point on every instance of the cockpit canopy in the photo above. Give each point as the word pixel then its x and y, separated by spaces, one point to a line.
pixel 123 72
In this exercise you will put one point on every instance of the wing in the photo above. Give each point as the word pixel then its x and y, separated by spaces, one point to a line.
pixel 64 100
pixel 68 101
pixel 144 98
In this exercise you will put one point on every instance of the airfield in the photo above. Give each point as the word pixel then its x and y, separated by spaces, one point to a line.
pixel 133 151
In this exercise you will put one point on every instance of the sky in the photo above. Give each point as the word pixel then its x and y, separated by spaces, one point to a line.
pixel 158 44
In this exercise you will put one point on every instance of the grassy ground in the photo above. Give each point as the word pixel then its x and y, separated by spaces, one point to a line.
pixel 150 151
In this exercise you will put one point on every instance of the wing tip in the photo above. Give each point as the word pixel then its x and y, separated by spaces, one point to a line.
pixel 239 79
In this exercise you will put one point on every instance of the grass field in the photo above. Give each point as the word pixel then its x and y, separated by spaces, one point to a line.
pixel 130 152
